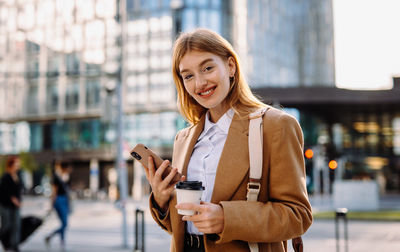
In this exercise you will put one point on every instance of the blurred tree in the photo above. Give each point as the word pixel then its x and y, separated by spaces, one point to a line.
pixel 2 164
pixel 28 162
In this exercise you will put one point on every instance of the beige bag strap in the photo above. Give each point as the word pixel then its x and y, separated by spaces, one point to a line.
pixel 256 159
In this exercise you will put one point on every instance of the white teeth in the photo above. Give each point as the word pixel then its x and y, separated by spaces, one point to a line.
pixel 207 92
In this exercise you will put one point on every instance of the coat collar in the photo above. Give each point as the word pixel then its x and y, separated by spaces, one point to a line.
pixel 188 141
pixel 234 161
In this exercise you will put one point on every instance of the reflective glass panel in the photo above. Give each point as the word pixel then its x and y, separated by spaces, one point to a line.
pixel 72 94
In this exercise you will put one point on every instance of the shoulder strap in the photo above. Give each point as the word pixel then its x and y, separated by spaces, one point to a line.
pixel 255 155
pixel 255 173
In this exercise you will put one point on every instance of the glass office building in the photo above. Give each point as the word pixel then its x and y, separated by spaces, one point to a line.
pixel 59 59
pixel 289 43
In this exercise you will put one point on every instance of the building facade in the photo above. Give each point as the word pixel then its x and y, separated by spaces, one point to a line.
pixel 359 129
pixel 59 59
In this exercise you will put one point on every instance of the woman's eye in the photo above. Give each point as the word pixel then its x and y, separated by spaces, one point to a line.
pixel 187 77
pixel 208 68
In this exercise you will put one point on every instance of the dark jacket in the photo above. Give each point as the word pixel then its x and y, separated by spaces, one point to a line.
pixel 8 189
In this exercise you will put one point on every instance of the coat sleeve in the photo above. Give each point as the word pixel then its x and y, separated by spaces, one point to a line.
pixel 162 219
pixel 287 213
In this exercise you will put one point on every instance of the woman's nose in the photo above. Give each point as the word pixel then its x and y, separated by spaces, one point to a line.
pixel 200 82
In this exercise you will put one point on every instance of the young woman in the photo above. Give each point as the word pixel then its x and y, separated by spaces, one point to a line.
pixel 215 98
pixel 10 203
pixel 59 200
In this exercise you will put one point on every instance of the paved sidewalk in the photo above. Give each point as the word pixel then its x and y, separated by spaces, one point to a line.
pixel 363 236
pixel 93 226
pixel 96 226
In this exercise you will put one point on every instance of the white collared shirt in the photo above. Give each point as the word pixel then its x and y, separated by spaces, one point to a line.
pixel 205 157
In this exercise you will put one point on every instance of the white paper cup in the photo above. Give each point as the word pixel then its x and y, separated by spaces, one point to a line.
pixel 188 192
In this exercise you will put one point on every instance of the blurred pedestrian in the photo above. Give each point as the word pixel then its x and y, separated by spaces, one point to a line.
pixel 215 98
pixel 10 204
pixel 60 199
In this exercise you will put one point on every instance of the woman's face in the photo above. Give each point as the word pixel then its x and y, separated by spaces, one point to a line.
pixel 206 78
pixel 16 166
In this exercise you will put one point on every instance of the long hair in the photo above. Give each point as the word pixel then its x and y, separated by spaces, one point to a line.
pixel 239 98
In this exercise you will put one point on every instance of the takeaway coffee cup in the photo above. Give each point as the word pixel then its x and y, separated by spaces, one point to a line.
pixel 188 192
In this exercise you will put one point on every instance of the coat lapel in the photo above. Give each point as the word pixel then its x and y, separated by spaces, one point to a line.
pixel 182 151
pixel 234 161
pixel 186 146
pixel 233 165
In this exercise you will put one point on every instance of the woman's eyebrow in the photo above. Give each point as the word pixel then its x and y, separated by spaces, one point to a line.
pixel 201 63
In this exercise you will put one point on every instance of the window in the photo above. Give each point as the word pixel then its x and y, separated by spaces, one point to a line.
pixel 189 20
pixel 93 69
pixel 53 64
pixel 32 67
pixel 52 95
pixel 36 136
pixel 72 94
pixel 72 63
pixel 2 99
pixel 92 93
pixel 32 97
pixel 32 48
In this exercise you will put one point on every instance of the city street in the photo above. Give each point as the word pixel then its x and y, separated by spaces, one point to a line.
pixel 82 82
pixel 96 226
pixel 93 226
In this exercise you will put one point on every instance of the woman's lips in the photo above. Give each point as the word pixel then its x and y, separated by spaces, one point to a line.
pixel 207 93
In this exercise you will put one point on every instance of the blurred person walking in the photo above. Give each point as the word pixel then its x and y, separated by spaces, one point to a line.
pixel 215 98
pixel 10 204
pixel 60 200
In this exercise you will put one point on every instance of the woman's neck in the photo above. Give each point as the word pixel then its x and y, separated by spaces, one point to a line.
pixel 217 112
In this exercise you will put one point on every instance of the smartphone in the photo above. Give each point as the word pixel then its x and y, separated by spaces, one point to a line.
pixel 142 153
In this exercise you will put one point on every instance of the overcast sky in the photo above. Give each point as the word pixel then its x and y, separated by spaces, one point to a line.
pixel 367 43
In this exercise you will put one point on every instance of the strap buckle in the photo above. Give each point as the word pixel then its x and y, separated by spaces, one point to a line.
pixel 253 189
pixel 254 186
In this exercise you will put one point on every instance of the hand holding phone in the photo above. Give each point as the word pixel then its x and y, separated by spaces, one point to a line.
pixel 141 153
pixel 162 186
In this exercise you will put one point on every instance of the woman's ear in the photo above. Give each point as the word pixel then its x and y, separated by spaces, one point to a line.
pixel 231 66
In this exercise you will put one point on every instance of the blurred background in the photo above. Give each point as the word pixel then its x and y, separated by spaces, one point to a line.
pixel 83 81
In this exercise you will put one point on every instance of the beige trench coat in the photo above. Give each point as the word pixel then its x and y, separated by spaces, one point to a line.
pixel 283 210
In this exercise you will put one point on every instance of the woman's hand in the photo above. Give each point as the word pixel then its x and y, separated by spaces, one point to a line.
pixel 162 188
pixel 15 201
pixel 210 217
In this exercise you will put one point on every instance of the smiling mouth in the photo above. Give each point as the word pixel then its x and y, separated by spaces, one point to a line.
pixel 207 92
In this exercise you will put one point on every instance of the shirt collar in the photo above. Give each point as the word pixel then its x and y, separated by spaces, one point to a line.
pixel 223 123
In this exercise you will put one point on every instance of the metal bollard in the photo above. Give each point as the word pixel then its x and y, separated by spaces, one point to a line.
pixel 139 234
pixel 341 213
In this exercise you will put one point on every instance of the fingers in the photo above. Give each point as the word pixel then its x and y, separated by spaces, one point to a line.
pixel 210 217
pixel 146 170
pixel 151 168
pixel 168 179
pixel 160 170
pixel 192 206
